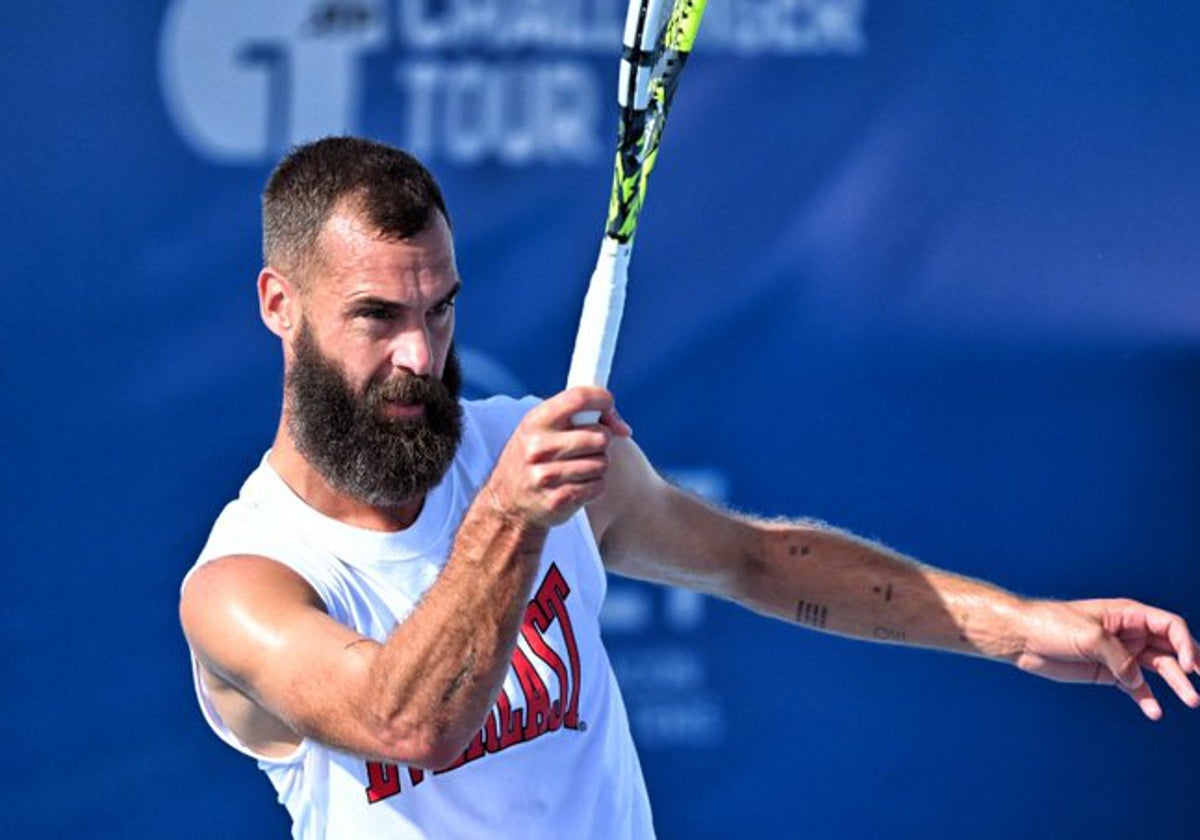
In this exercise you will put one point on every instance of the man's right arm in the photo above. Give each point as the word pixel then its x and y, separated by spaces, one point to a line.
pixel 277 664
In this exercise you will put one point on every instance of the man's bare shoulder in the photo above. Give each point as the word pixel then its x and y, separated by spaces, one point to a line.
pixel 236 611
pixel 232 609
pixel 241 579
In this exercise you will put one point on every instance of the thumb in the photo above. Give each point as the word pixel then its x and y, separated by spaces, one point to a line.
pixel 1120 662
pixel 613 419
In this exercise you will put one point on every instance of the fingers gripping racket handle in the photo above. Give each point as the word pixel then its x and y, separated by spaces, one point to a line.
pixel 600 322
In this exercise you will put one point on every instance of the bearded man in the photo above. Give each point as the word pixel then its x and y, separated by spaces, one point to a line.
pixel 398 615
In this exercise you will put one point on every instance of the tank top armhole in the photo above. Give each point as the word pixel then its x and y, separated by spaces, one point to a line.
pixel 215 722
pixel 584 526
pixel 212 717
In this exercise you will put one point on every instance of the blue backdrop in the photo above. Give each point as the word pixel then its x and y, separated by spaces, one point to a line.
pixel 925 270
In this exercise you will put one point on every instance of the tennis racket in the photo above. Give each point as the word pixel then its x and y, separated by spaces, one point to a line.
pixel 658 39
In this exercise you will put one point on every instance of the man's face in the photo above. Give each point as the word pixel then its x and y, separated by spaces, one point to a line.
pixel 352 436
pixel 372 383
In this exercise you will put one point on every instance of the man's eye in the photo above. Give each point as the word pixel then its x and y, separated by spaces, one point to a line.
pixel 442 308
pixel 376 314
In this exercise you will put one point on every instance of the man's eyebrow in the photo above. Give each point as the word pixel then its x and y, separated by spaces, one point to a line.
pixel 452 294
pixel 375 302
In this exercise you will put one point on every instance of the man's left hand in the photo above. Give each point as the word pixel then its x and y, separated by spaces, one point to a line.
pixel 1110 642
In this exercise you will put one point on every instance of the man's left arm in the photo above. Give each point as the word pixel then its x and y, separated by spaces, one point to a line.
pixel 820 577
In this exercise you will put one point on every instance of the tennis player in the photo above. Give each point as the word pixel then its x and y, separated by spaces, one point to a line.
pixel 397 616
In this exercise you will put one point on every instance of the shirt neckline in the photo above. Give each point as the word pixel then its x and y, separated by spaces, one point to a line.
pixel 362 546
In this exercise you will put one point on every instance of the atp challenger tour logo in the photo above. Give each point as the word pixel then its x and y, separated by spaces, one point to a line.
pixel 518 82
pixel 546 664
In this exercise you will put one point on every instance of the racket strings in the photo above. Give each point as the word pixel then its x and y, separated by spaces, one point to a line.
pixel 653 57
pixel 652 69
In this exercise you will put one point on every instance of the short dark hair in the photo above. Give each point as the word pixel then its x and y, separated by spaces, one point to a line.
pixel 392 189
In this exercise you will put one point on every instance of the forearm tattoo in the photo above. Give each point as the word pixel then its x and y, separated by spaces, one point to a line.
pixel 811 615
pixel 460 679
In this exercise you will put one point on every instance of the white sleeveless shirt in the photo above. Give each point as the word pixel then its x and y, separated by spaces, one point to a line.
pixel 554 758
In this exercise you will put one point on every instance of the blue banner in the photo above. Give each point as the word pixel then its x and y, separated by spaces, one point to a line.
pixel 927 271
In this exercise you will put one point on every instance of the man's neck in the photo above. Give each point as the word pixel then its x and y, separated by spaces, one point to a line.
pixel 307 482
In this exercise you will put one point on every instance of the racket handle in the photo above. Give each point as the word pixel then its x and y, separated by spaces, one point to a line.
pixel 600 322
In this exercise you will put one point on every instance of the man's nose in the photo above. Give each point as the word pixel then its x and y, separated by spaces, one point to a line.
pixel 413 352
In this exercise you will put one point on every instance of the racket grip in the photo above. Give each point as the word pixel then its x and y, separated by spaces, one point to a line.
pixel 596 340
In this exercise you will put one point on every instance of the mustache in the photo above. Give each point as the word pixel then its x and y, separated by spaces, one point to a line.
pixel 408 389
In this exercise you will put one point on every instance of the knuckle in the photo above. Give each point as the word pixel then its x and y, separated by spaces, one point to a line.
pixel 573 399
pixel 534 443
pixel 539 477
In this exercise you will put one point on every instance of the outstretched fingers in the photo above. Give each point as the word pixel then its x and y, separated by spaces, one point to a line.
pixel 1146 701
pixel 1175 630
pixel 1168 648
pixel 1110 642
pixel 1172 673
pixel 1116 666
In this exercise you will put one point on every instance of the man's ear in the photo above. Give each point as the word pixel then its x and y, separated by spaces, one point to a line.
pixel 278 302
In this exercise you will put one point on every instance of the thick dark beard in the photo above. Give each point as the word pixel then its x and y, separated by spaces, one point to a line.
pixel 377 460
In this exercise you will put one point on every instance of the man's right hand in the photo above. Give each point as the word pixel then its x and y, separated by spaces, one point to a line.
pixel 550 468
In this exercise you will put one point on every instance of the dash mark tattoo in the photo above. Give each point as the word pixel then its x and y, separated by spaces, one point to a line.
pixel 810 614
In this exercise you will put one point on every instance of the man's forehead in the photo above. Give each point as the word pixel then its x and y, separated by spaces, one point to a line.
pixel 348 241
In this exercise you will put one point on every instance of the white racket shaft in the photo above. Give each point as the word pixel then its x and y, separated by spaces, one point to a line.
pixel 596 340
